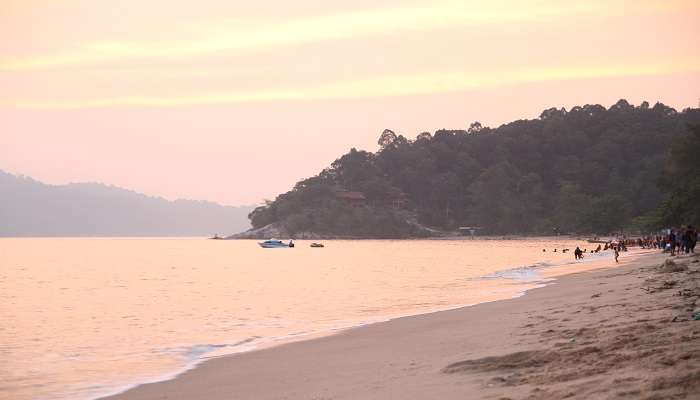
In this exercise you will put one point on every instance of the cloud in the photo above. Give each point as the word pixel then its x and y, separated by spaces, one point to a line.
pixel 230 36
pixel 394 85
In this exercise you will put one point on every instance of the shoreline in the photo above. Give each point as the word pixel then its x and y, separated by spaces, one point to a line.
pixel 446 236
pixel 520 284
pixel 290 339
pixel 264 359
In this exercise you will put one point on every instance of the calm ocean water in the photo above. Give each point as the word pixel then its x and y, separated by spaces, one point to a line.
pixel 85 317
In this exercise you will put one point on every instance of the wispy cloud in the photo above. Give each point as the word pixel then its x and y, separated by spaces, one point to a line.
pixel 398 85
pixel 230 37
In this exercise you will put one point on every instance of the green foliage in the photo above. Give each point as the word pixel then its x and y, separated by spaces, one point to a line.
pixel 588 170
pixel 682 203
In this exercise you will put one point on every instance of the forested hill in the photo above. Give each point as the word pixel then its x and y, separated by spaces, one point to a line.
pixel 586 170
pixel 32 208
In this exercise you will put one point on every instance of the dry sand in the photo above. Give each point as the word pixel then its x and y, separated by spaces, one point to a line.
pixel 622 332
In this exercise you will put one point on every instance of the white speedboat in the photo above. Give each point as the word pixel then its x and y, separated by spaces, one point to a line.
pixel 275 244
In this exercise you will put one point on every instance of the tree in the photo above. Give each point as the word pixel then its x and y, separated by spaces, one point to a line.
pixel 474 127
pixel 386 138
pixel 682 203
pixel 425 136
pixel 589 170
pixel 553 113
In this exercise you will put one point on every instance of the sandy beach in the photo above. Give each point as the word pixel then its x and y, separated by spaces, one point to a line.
pixel 619 332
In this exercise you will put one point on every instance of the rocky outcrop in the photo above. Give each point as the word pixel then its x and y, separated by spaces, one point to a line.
pixel 274 230
pixel 278 231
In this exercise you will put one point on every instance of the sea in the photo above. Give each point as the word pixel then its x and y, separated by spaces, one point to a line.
pixel 82 318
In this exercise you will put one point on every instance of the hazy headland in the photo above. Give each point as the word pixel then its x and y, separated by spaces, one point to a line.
pixel 588 170
pixel 32 208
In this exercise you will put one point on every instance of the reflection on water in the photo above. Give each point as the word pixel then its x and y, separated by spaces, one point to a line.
pixel 80 318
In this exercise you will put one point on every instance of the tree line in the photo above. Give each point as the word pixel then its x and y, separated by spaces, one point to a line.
pixel 586 170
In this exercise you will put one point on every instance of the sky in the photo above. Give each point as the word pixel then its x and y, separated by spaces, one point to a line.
pixel 235 101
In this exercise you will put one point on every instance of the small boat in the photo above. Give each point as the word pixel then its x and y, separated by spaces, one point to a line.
pixel 275 244
pixel 316 245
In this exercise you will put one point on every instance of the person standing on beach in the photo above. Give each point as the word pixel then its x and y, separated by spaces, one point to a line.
pixel 693 238
pixel 578 254
pixel 685 241
pixel 672 241
pixel 617 254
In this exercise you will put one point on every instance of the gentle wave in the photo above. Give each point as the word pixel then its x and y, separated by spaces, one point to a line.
pixel 533 272
pixel 197 354
pixel 119 313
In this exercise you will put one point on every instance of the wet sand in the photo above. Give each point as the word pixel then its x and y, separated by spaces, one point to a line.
pixel 620 332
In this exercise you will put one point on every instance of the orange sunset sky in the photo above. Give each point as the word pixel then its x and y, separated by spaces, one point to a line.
pixel 235 101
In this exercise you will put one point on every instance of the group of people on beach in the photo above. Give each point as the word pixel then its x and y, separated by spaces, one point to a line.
pixel 617 247
pixel 676 241
pixel 681 240
pixel 578 253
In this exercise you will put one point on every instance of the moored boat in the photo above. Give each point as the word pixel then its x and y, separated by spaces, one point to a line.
pixel 275 244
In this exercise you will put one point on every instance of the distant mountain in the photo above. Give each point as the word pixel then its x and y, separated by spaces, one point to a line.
pixel 32 208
